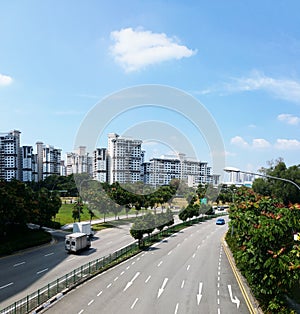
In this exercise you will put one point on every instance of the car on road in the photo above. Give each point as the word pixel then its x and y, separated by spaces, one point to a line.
pixel 220 221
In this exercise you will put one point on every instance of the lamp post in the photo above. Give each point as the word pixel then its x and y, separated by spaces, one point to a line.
pixel 231 169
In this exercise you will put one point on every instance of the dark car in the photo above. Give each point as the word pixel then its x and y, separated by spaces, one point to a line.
pixel 220 221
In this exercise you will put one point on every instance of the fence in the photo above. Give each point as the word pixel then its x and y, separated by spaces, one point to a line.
pixel 57 287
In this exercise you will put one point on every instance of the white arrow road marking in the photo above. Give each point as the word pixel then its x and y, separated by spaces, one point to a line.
pixel 161 290
pixel 235 299
pixel 131 281
pixel 199 295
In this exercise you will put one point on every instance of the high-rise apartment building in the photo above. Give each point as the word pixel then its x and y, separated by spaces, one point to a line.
pixel 79 162
pixel 10 156
pixel 125 158
pixel 100 163
pixel 160 171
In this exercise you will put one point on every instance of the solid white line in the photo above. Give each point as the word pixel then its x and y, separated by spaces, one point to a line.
pixel 90 302
pixel 49 254
pixel 176 308
pixel 134 303
pixel 18 264
pixel 42 271
pixel 147 279
pixel 9 284
pixel 99 293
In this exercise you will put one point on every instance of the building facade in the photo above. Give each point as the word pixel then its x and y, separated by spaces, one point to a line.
pixel 125 158
pixel 79 162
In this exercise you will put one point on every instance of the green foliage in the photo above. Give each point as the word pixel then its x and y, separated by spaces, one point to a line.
pixel 261 229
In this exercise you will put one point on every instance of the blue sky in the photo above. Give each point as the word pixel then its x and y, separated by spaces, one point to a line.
pixel 239 59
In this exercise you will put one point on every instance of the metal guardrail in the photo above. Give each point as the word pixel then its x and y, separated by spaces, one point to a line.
pixel 76 276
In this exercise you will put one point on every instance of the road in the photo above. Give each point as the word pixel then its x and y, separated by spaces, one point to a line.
pixel 186 273
pixel 28 271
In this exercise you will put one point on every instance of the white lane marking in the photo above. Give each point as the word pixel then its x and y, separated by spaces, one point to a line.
pixel 134 303
pixel 162 288
pixel 194 255
pixel 116 278
pixel 188 267
pixel 42 271
pixel 159 263
pixel 199 295
pixel 122 273
pixel 90 302
pixel 133 263
pixel 235 299
pixel 138 259
pixel 219 311
pixel 178 244
pixel 148 279
pixel 170 252
pixel 81 312
pixel 127 267
pixel 49 254
pixel 176 308
pixel 198 247
pixel 99 293
pixel 108 286
pixel 18 264
pixel 5 286
pixel 131 281
pixel 182 284
pixel 218 301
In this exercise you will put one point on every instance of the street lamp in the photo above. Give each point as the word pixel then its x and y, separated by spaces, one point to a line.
pixel 236 170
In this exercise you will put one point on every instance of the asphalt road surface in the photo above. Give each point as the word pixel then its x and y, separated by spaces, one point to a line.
pixel 26 272
pixel 186 273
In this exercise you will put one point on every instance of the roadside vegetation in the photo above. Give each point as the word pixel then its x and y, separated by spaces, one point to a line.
pixel 262 239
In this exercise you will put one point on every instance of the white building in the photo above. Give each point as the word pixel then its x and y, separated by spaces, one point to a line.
pixel 27 163
pixel 100 162
pixel 10 155
pixel 79 162
pixel 160 171
pixel 125 158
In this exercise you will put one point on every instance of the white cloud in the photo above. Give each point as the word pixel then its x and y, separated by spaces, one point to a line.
pixel 260 143
pixel 136 49
pixel 286 144
pixel 5 80
pixel 286 89
pixel 239 141
pixel 289 118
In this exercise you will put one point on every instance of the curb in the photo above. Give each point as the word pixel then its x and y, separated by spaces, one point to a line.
pixel 251 302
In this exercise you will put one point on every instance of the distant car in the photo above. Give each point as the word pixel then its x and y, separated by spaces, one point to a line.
pixel 220 221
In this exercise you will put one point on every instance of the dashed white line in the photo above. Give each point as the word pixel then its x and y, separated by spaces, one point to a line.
pixel 116 278
pixel 147 279
pixel 170 252
pixel 49 254
pixel 159 263
pixel 127 267
pixel 219 311
pixel 188 267
pixel 134 303
pixel 198 247
pixel 99 293
pixel 81 312
pixel 176 308
pixel 42 271
pixel 18 264
pixel 194 255
pixel 138 259
pixel 122 273
pixel 133 263
pixel 90 302
pixel 108 286
pixel 5 286
pixel 182 284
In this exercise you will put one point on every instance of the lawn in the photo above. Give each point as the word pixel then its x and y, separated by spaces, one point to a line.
pixel 64 216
